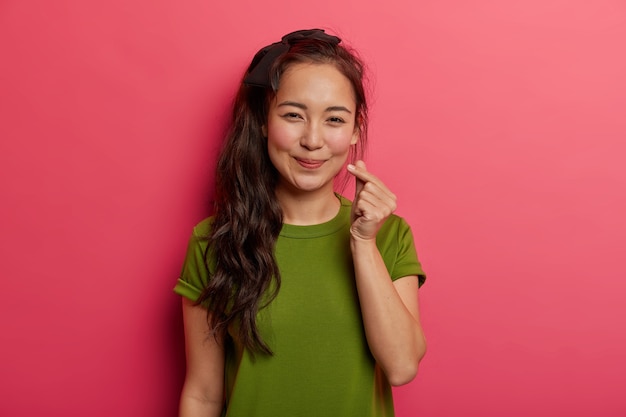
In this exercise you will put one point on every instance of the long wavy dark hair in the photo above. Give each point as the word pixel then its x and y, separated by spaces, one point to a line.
pixel 248 217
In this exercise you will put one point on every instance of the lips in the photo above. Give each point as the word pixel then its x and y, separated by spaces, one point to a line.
pixel 310 163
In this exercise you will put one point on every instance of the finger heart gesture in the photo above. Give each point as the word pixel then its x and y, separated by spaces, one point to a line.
pixel 373 203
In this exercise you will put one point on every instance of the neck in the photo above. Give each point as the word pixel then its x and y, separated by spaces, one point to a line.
pixel 307 208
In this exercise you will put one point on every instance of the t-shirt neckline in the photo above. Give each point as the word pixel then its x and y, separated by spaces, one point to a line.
pixel 323 229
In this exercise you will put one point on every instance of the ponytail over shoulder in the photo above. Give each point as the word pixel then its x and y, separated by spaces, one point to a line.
pixel 245 226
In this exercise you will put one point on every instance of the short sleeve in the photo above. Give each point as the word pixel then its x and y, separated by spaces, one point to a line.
pixel 195 272
pixel 396 245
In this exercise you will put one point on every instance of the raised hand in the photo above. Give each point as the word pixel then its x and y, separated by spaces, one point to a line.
pixel 373 203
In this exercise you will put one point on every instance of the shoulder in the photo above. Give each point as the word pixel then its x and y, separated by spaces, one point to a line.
pixel 395 224
pixel 397 247
pixel 395 231
pixel 202 230
pixel 199 239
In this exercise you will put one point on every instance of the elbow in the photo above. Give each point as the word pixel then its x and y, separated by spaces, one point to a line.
pixel 406 371
pixel 402 377
pixel 402 373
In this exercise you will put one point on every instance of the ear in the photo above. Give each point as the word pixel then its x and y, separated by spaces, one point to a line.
pixel 264 131
pixel 355 135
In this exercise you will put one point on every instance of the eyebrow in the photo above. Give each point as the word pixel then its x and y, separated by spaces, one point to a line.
pixel 304 107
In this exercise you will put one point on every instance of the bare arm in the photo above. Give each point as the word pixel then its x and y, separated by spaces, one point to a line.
pixel 203 390
pixel 390 309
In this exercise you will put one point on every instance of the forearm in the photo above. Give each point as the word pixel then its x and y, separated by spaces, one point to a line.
pixel 394 333
pixel 203 390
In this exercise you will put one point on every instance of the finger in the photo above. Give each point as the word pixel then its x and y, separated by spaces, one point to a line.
pixel 360 172
pixel 360 182
pixel 373 205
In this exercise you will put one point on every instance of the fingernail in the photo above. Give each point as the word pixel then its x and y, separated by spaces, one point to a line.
pixel 350 166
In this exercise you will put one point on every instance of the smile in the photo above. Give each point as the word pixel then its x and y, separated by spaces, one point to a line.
pixel 310 163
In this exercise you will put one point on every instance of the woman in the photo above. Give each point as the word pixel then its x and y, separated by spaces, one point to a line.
pixel 295 301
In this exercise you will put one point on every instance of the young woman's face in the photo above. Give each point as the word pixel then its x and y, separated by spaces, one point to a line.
pixel 311 126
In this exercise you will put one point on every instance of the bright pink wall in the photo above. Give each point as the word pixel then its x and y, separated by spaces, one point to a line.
pixel 500 125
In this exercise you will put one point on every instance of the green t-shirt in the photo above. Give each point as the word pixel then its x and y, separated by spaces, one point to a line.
pixel 321 365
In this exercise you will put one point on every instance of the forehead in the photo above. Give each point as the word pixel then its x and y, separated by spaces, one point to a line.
pixel 315 82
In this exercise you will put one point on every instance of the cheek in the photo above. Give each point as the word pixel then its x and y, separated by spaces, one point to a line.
pixel 280 136
pixel 340 142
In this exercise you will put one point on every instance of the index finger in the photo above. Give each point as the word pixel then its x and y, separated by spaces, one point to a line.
pixel 361 172
pixel 366 176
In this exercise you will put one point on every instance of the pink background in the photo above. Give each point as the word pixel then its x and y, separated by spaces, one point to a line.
pixel 500 125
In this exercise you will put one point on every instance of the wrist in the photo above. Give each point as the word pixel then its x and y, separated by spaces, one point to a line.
pixel 359 243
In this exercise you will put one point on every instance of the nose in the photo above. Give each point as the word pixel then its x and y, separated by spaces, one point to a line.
pixel 312 137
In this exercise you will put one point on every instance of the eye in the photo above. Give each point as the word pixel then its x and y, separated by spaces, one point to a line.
pixel 336 120
pixel 291 115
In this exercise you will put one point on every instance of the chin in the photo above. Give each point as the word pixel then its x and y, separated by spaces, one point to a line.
pixel 310 186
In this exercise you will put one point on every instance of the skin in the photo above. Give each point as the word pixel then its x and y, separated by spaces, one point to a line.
pixel 311 127
pixel 389 308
